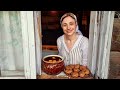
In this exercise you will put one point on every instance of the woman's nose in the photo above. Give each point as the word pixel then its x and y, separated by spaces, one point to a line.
pixel 68 27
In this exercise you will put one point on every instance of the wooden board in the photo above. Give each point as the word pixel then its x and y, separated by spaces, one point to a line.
pixel 46 76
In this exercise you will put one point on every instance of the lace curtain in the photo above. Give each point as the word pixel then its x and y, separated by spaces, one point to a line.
pixel 11 54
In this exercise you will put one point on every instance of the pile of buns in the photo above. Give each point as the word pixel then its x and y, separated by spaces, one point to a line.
pixel 54 61
pixel 76 71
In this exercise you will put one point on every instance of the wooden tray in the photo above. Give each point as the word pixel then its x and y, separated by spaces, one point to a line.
pixel 85 77
pixel 46 76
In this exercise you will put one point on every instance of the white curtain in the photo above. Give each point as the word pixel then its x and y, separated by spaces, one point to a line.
pixel 11 49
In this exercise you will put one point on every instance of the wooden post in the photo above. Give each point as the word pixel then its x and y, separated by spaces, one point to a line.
pixel 38 40
pixel 101 26
pixel 28 44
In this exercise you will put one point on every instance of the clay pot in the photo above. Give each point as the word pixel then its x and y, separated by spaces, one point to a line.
pixel 53 64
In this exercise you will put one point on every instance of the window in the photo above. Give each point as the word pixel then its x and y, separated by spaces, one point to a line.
pixel 17 54
pixel 100 32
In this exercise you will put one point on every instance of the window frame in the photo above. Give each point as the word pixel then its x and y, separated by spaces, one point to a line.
pixel 99 46
pixel 94 59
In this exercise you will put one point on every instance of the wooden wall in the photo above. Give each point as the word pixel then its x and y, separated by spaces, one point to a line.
pixel 50 21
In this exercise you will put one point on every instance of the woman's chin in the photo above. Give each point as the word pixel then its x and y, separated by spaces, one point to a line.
pixel 69 34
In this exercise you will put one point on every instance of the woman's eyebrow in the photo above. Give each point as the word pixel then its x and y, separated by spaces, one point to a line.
pixel 69 22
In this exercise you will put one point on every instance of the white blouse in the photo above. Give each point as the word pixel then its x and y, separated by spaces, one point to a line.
pixel 79 52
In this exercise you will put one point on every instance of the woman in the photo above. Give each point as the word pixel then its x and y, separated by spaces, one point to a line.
pixel 72 45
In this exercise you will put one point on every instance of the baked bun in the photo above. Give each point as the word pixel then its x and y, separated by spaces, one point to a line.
pixel 72 66
pixel 76 70
pixel 77 66
pixel 82 68
pixel 87 72
pixel 75 74
pixel 68 67
pixel 81 74
pixel 68 71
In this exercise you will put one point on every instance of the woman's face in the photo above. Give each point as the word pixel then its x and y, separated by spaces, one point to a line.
pixel 69 25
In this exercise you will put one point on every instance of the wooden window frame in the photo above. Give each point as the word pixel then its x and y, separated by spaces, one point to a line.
pixel 98 65
pixel 27 23
pixel 99 47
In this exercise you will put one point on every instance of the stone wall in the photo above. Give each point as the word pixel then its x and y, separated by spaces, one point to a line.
pixel 115 43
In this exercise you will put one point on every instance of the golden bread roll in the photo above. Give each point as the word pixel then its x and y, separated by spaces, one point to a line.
pixel 54 61
pixel 81 74
pixel 68 67
pixel 76 70
pixel 75 74
pixel 77 66
pixel 72 66
pixel 82 68
pixel 68 71
pixel 50 61
pixel 87 72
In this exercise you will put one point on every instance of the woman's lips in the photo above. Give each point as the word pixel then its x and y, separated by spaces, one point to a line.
pixel 69 31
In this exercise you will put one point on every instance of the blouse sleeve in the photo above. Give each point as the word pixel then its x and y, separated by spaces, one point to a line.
pixel 58 44
pixel 84 48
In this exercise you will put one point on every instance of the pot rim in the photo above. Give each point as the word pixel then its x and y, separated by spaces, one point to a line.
pixel 52 55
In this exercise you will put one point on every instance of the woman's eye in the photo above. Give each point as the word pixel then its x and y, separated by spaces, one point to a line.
pixel 71 23
pixel 64 25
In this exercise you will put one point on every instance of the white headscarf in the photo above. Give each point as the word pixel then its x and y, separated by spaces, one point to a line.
pixel 78 31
